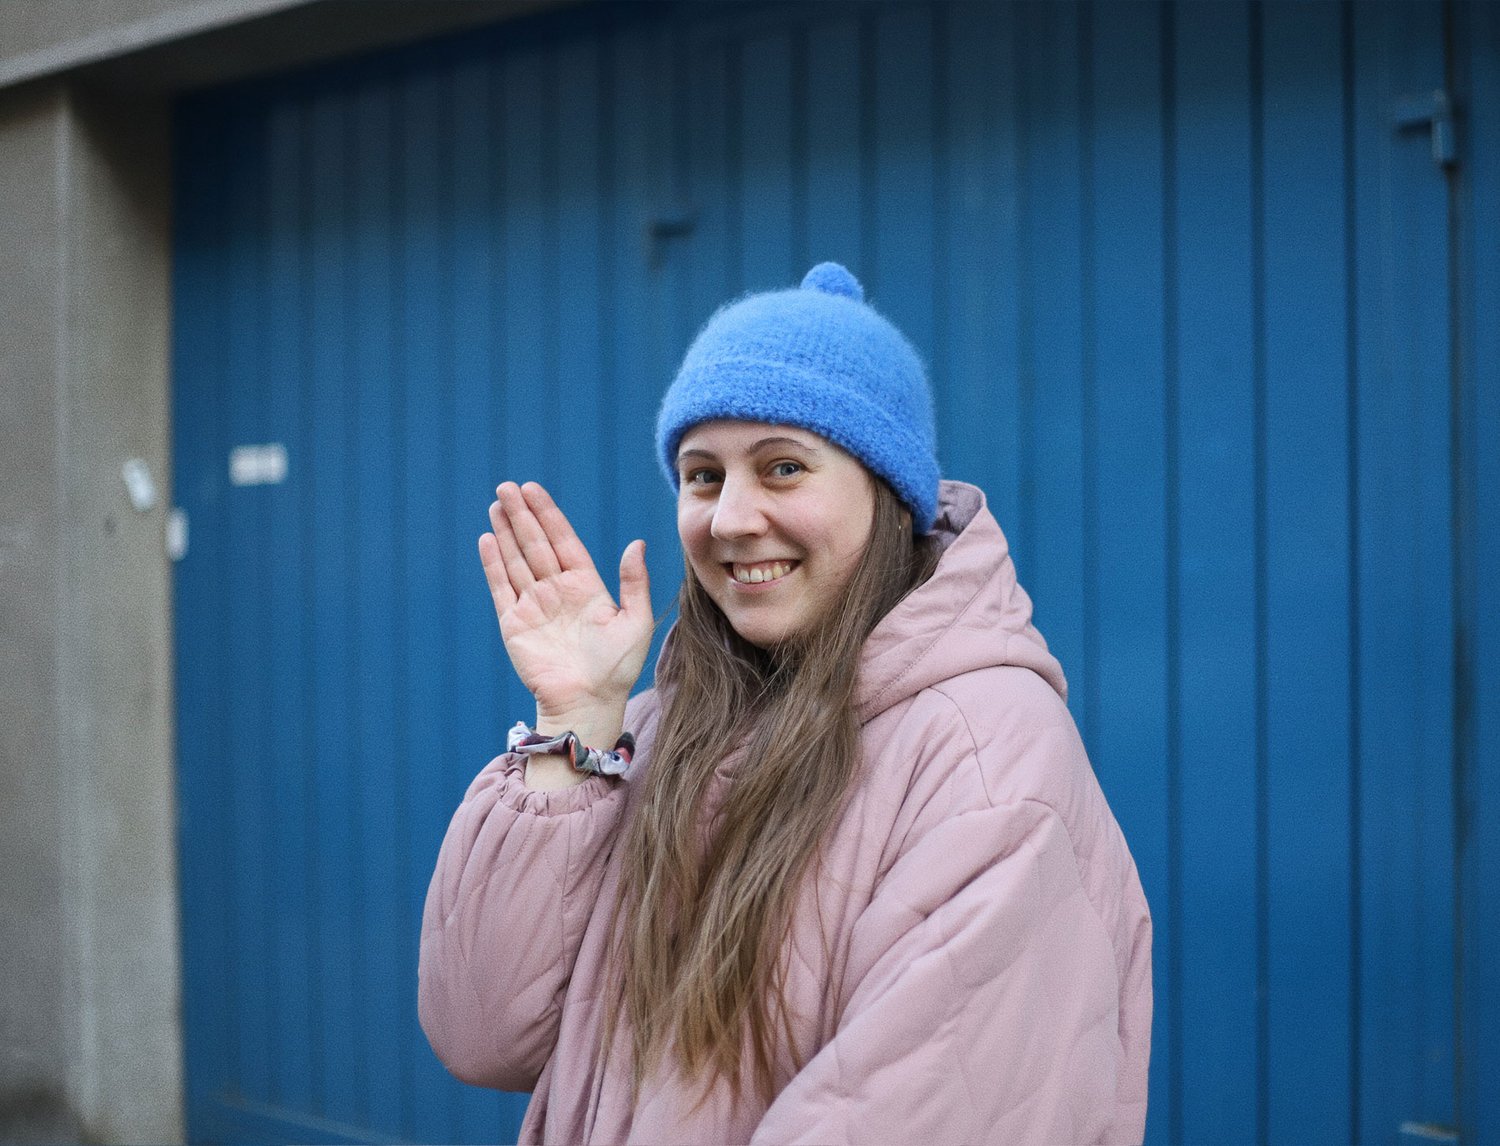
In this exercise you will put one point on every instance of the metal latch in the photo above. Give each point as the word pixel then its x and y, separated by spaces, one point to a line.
pixel 1432 110
pixel 664 228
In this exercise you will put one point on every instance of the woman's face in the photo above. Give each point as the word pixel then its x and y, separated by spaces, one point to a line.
pixel 773 520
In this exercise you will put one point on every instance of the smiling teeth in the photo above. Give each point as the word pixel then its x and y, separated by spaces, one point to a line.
pixel 754 574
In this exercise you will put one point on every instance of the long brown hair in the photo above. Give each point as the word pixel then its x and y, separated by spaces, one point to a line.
pixel 705 909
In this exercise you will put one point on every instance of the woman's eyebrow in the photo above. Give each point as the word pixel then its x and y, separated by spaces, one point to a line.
pixel 796 443
pixel 697 453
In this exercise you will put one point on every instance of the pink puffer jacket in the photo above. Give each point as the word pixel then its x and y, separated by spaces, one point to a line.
pixel 972 964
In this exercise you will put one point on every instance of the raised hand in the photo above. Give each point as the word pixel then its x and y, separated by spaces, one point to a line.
pixel 576 651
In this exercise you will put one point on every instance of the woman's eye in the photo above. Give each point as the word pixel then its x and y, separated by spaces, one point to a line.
pixel 787 469
pixel 700 477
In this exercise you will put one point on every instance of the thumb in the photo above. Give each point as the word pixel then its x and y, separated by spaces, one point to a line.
pixel 635 582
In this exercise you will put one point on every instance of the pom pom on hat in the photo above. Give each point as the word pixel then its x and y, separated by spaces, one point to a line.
pixel 833 278
pixel 821 358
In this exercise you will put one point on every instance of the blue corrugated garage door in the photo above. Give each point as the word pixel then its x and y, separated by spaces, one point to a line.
pixel 1188 293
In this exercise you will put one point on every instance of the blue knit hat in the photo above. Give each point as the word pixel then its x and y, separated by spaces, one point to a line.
pixel 821 358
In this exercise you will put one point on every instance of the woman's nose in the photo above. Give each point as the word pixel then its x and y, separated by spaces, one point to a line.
pixel 738 512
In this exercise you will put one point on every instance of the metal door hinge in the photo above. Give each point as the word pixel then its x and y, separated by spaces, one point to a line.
pixel 1432 110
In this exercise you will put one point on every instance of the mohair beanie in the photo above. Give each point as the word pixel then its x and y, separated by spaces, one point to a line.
pixel 821 358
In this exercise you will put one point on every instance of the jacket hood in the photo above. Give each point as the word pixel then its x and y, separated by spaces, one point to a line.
pixel 970 614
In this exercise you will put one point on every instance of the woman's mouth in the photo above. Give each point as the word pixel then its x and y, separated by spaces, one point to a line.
pixel 760 572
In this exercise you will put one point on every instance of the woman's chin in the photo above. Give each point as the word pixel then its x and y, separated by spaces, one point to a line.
pixel 763 632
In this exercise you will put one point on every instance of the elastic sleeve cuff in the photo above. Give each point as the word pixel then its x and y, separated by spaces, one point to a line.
pixel 506 775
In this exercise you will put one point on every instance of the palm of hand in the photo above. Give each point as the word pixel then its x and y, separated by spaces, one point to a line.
pixel 568 641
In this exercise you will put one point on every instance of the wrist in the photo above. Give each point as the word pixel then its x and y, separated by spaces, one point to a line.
pixel 551 773
pixel 597 724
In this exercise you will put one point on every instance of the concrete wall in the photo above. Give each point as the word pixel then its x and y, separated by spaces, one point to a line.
pixel 32 1055
pixel 170 45
pixel 90 1043
pixel 45 37
pixel 89 1002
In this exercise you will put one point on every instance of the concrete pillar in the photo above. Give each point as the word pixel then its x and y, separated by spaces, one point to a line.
pixel 90 1040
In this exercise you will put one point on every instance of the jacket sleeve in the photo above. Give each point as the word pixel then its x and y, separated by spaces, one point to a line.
pixel 984 1002
pixel 516 881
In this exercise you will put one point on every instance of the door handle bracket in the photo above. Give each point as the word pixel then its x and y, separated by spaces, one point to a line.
pixel 1434 111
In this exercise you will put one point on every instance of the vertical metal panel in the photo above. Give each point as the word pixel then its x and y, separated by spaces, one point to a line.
pixel 1478 31
pixel 377 735
pixel 1183 293
pixel 712 73
pixel 1210 412
pixel 976 342
pixel 479 164
pixel 246 749
pixel 765 169
pixel 902 196
pixel 580 236
pixel 335 1046
pixel 1404 620
pixel 1304 565
pixel 1049 541
pixel 1126 528
pixel 427 556
pixel 639 75
pixel 834 113
pixel 283 844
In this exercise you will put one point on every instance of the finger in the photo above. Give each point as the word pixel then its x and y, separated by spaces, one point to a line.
pixel 494 572
pixel 517 571
pixel 635 582
pixel 528 533
pixel 571 552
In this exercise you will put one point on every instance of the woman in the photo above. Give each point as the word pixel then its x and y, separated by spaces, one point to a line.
pixel 858 882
